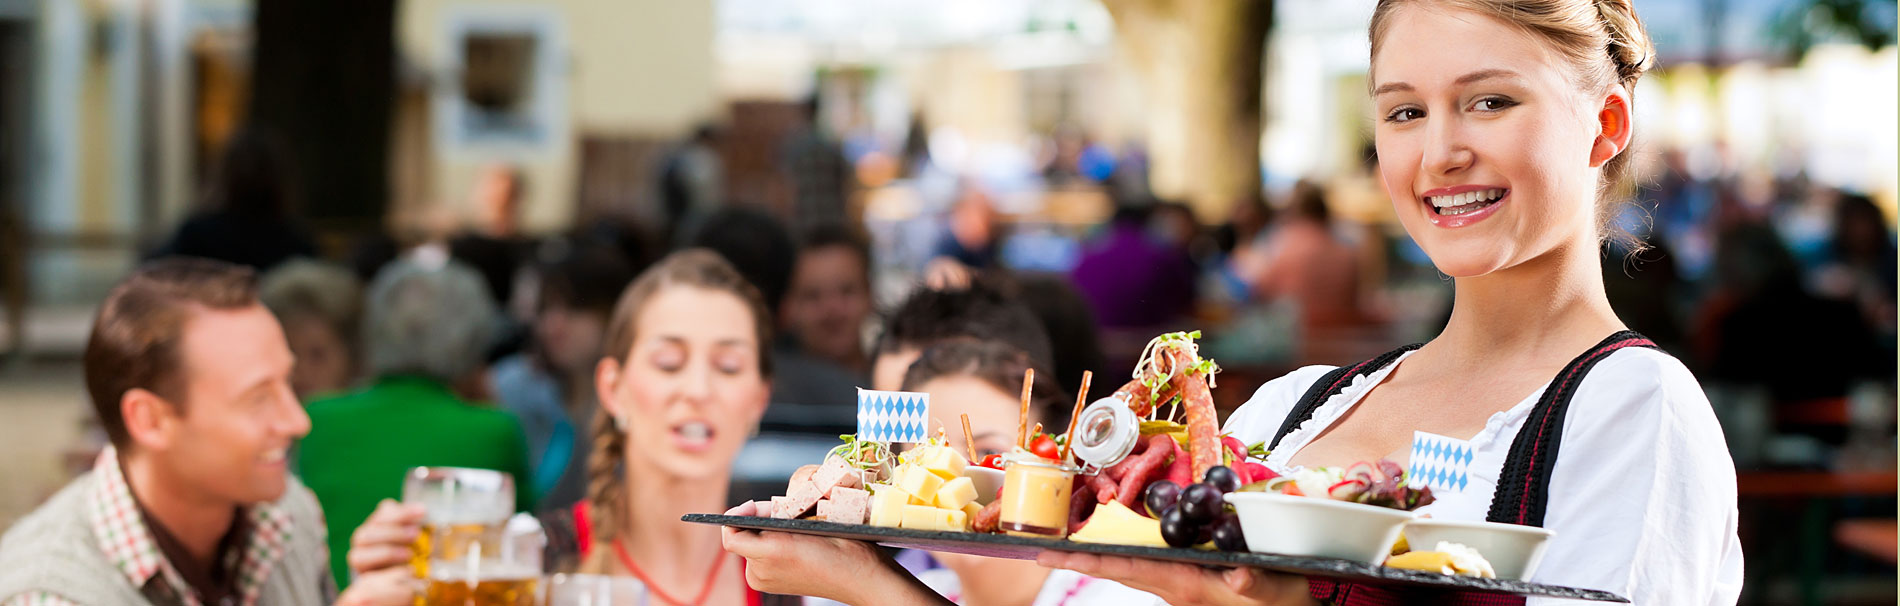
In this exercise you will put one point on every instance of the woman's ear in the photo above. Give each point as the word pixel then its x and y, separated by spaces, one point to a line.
pixel 606 386
pixel 1614 130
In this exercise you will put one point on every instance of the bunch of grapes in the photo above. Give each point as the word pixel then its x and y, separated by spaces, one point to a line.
pixel 1199 513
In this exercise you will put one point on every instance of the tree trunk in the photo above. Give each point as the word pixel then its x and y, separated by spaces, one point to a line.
pixel 1201 63
pixel 323 79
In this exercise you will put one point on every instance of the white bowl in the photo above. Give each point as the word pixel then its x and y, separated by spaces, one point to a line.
pixel 987 482
pixel 1316 526
pixel 1513 550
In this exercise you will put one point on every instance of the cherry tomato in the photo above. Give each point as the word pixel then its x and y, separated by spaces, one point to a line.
pixel 994 461
pixel 1043 446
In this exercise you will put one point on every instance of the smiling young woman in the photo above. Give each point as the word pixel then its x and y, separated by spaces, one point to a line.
pixel 1501 126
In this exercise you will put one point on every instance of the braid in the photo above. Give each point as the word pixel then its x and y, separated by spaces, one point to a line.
pixel 606 489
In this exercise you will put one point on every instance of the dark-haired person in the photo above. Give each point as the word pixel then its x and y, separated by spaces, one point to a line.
pixel 821 347
pixel 930 316
pixel 550 387
pixel 246 215
pixel 192 503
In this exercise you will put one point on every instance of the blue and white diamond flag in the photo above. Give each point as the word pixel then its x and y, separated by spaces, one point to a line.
pixel 1440 462
pixel 893 416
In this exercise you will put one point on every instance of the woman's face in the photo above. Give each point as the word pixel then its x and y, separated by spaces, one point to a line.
pixel 1496 126
pixel 691 390
pixel 993 413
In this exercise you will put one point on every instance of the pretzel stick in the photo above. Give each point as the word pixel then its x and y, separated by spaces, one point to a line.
pixel 969 443
pixel 1081 397
pixel 1022 420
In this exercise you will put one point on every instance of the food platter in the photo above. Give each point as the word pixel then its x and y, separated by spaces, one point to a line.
pixel 1025 548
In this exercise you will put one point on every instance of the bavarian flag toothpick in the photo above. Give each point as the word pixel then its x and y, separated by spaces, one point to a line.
pixel 893 416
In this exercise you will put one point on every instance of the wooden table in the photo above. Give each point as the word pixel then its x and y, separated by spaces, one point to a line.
pixel 1815 490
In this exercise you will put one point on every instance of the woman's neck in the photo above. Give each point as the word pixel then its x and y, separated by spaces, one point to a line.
pixel 674 554
pixel 1551 305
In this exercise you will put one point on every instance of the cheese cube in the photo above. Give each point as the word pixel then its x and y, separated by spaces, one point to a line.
pixel 956 493
pixel 887 505
pixel 919 517
pixel 945 461
pixel 918 482
pixel 970 510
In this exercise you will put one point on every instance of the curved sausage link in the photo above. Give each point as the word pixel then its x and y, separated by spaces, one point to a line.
pixel 1204 445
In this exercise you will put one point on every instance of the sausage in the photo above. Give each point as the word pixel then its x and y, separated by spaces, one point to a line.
pixel 989 518
pixel 1180 469
pixel 1081 505
pixel 1137 476
pixel 1204 445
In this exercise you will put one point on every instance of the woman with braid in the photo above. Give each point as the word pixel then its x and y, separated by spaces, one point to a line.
pixel 685 379
pixel 1502 129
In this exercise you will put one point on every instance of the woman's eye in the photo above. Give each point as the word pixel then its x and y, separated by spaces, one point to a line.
pixel 1492 104
pixel 1403 115
pixel 669 360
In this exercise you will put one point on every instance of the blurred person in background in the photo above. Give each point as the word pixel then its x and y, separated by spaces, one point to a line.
pixel 1133 278
pixel 813 162
pixel 425 325
pixel 756 243
pixel 1245 220
pixel 970 241
pixel 690 178
pixel 822 319
pixel 320 306
pixel 494 247
pixel 550 387
pixel 192 502
pixel 1809 359
pixel 1303 260
pixel 1860 264
pixel 683 384
pixel 1074 337
pixel 930 316
pixel 246 216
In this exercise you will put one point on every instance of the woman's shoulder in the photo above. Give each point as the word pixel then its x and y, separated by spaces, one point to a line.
pixel 1636 384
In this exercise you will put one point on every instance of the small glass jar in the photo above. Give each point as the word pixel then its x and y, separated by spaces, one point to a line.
pixel 1105 433
pixel 1036 494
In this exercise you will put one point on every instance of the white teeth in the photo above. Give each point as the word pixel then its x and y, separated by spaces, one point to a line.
pixel 695 431
pixel 1456 200
pixel 274 456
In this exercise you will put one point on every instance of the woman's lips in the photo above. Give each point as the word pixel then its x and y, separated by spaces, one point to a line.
pixel 1459 201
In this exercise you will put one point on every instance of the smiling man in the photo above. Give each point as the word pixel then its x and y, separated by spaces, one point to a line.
pixel 192 503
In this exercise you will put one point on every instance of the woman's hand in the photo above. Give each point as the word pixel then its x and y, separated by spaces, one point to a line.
pixel 1186 584
pixel 843 570
pixel 387 540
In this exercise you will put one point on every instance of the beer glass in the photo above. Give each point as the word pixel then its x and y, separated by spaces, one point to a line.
pixel 470 552
pixel 595 590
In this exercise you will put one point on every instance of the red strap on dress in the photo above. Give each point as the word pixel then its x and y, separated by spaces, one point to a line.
pixel 1350 594
pixel 583 528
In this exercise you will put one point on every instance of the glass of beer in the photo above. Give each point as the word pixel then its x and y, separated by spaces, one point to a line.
pixel 470 552
pixel 595 590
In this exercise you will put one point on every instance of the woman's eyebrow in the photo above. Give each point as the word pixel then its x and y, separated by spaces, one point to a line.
pixel 1484 74
pixel 1477 76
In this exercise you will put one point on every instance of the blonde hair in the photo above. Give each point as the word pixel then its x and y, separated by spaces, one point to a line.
pixel 606 481
pixel 1603 39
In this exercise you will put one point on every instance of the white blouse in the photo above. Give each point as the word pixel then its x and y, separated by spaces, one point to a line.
pixel 1642 496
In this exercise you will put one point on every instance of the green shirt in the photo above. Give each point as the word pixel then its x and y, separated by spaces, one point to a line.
pixel 362 444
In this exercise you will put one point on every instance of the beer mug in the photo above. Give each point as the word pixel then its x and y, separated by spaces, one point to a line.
pixel 595 590
pixel 469 551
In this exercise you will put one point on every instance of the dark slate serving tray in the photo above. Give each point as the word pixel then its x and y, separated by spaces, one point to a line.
pixel 1025 548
